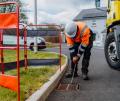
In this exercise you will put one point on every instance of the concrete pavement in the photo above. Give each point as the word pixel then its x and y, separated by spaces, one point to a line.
pixel 104 83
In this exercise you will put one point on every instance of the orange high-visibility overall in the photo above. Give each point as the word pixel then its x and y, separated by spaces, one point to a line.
pixel 82 43
pixel 82 36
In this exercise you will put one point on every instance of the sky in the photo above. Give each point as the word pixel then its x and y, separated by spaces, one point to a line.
pixel 56 11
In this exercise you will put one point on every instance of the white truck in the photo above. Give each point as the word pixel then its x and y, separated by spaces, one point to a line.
pixel 9 39
pixel 12 40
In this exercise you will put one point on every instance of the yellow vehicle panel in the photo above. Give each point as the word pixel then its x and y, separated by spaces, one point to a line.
pixel 114 14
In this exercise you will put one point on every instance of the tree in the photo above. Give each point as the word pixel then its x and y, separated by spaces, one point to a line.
pixel 11 8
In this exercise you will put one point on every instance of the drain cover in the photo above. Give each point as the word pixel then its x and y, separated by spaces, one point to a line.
pixel 68 87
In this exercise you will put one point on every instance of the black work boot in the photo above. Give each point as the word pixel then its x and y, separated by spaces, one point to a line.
pixel 76 74
pixel 69 75
pixel 85 76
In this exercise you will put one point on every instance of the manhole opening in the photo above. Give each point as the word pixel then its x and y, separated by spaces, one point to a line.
pixel 68 87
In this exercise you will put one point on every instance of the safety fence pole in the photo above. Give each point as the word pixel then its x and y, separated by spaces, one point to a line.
pixel 1 51
pixel 25 48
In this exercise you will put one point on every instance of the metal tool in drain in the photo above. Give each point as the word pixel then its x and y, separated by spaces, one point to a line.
pixel 71 82
pixel 73 75
pixel 62 87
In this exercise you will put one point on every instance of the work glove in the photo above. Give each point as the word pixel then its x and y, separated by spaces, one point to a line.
pixel 76 59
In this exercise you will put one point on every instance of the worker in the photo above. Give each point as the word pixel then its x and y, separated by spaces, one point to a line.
pixel 80 41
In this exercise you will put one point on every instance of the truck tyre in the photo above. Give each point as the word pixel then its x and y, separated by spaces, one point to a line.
pixel 111 52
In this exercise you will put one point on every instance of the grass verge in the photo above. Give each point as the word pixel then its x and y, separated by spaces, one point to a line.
pixel 10 56
pixel 32 79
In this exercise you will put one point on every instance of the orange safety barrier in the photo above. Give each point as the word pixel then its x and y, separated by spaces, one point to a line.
pixel 8 20
pixel 8 81
pixel 60 40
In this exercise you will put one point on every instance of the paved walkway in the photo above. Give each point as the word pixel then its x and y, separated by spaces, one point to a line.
pixel 103 86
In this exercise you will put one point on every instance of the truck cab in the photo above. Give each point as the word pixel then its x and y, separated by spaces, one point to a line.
pixel 112 41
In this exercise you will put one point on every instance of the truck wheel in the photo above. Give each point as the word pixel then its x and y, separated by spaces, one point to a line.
pixel 111 52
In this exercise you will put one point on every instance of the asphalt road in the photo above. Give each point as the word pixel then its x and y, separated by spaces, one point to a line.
pixel 104 83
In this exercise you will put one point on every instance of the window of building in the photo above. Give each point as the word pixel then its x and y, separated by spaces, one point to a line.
pixel 93 23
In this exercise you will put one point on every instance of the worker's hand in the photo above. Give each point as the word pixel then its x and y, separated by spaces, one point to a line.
pixel 76 59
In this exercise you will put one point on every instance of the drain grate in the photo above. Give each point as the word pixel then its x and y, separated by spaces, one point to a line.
pixel 68 87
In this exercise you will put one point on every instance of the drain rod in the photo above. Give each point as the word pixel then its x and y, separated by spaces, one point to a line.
pixel 71 78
